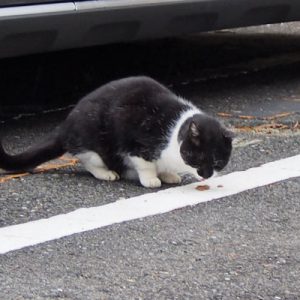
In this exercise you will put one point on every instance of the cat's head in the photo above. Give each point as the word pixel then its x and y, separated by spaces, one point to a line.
pixel 206 145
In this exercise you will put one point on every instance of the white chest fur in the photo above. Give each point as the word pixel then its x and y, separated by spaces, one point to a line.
pixel 170 159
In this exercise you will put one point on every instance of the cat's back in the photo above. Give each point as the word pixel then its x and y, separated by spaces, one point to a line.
pixel 137 93
pixel 127 103
pixel 126 88
pixel 126 91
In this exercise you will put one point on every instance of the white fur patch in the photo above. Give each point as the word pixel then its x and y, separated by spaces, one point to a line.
pixel 186 102
pixel 91 158
pixel 170 159
pixel 146 171
pixel 169 177
pixel 95 165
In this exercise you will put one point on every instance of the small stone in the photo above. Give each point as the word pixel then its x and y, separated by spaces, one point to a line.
pixel 281 261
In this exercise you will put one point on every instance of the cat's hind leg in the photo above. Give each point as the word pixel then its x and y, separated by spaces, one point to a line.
pixel 168 177
pixel 95 165
pixel 146 171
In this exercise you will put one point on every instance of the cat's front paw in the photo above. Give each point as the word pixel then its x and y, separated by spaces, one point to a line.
pixel 171 178
pixel 112 176
pixel 106 175
pixel 151 182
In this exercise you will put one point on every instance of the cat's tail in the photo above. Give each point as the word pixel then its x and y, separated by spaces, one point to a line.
pixel 49 149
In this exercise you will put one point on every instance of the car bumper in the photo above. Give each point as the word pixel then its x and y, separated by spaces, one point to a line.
pixel 38 28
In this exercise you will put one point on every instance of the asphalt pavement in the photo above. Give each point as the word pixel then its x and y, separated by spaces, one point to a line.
pixel 245 246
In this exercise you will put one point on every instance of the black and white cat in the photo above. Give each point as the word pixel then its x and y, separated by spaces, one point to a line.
pixel 134 128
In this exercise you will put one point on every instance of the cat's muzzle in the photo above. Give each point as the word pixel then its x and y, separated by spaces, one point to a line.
pixel 205 172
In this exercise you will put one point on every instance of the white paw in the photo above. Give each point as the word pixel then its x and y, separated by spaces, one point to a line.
pixel 151 182
pixel 169 177
pixel 103 174
pixel 111 176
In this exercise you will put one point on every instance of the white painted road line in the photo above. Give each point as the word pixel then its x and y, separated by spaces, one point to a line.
pixel 84 219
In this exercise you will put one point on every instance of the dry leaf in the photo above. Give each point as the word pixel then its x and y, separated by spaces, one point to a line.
pixel 67 162
pixel 280 115
pixel 247 117
pixel 226 115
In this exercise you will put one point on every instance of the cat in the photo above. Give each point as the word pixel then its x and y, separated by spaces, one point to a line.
pixel 134 128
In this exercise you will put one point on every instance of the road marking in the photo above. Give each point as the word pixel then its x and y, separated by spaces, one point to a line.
pixel 84 219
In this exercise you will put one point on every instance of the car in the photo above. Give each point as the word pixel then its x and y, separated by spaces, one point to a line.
pixel 35 26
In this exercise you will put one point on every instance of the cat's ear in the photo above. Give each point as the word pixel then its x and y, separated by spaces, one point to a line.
pixel 194 131
pixel 229 135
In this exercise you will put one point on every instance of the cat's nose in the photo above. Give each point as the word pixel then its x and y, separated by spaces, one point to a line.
pixel 205 173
